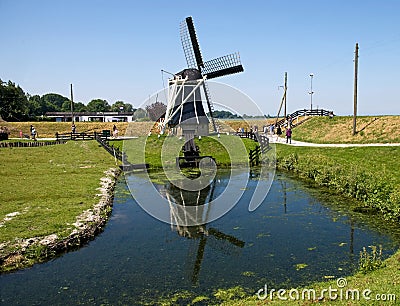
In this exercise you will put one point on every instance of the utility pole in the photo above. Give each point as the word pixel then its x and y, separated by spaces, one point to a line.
pixel 355 89
pixel 284 94
pixel 72 106
pixel 283 101
pixel 311 91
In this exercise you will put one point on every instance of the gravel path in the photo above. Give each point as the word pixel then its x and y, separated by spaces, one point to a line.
pixel 297 143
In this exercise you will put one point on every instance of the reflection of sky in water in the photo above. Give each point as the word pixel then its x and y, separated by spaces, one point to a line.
pixel 139 257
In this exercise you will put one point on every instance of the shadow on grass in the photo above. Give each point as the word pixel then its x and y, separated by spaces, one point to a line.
pixel 368 124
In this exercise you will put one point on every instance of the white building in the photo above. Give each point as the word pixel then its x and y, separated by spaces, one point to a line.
pixel 91 116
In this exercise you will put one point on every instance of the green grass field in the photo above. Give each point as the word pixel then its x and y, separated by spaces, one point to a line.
pixel 379 161
pixel 227 150
pixel 46 188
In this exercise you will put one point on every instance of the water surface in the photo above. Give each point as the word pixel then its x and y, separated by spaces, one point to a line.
pixel 295 237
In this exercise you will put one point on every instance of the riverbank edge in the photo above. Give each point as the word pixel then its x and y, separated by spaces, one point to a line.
pixel 373 194
pixel 26 252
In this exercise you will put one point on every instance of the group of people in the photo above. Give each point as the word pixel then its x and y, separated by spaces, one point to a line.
pixel 271 131
pixel 4 129
pixel 279 132
pixel 4 132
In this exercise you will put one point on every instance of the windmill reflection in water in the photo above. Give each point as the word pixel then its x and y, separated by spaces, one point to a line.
pixel 189 212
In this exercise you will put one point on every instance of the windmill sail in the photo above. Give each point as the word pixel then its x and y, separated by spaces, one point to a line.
pixel 187 43
pixel 218 67
pixel 221 66
pixel 195 43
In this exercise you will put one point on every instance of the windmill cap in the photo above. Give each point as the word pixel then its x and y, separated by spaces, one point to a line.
pixel 190 73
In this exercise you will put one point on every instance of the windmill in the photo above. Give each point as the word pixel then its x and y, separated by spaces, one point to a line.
pixel 185 112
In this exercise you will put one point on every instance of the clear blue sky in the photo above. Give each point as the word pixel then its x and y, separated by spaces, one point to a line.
pixel 115 50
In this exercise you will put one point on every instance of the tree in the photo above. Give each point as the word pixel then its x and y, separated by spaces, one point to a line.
pixel 51 102
pixel 224 114
pixel 120 106
pixel 98 105
pixel 128 107
pixel 156 110
pixel 35 106
pixel 54 102
pixel 13 102
pixel 140 113
pixel 79 107
pixel 66 107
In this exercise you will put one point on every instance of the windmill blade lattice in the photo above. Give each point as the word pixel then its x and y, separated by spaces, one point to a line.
pixel 190 44
pixel 210 106
pixel 221 66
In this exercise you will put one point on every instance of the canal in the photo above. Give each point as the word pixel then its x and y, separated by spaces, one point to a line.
pixel 298 235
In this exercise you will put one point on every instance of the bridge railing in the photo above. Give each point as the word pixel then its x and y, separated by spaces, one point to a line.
pixel 305 113
pixel 78 136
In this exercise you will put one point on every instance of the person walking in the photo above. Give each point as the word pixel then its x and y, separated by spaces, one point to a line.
pixel 115 131
pixel 278 132
pixel 289 135
pixel 33 132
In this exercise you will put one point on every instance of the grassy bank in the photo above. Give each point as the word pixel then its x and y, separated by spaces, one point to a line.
pixel 229 125
pixel 377 285
pixel 227 150
pixel 48 129
pixel 370 174
pixel 46 188
pixel 370 129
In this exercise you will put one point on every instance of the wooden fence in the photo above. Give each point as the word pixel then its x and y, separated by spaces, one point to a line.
pixel 30 144
pixel 264 147
pixel 120 155
pixel 114 151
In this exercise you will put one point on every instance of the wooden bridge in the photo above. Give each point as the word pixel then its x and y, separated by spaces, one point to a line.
pixel 296 117
pixel 82 136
